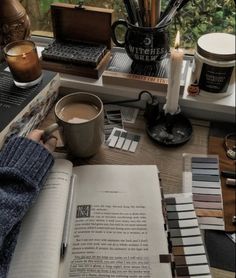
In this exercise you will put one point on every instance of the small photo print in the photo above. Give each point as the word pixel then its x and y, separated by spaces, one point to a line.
pixel 83 211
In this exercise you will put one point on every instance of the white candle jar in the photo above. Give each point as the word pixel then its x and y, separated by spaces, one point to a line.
pixel 214 64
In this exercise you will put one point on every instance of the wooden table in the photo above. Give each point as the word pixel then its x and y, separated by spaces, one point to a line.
pixel 169 160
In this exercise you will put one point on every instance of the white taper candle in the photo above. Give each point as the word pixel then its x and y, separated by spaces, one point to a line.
pixel 175 68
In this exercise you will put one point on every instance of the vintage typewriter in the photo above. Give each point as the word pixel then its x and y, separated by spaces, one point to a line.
pixel 78 53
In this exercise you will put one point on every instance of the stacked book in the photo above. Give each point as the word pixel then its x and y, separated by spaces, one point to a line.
pixel 21 110
pixel 121 71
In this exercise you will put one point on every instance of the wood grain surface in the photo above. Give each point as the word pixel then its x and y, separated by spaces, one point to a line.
pixel 169 160
pixel 216 146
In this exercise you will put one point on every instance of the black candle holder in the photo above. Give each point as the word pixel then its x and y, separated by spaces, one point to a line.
pixel 170 130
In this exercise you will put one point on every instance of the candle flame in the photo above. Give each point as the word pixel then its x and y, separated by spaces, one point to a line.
pixel 177 40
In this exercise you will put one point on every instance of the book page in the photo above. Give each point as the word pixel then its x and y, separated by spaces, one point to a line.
pixel 118 228
pixel 37 253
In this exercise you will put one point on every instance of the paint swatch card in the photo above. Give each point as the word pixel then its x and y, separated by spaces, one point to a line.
pixel 185 238
pixel 202 178
pixel 123 140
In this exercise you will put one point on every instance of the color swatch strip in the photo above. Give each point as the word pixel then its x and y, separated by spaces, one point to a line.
pixel 185 238
pixel 207 193
pixel 201 176
pixel 123 140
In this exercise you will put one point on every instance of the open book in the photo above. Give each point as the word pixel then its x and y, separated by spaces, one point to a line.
pixel 116 226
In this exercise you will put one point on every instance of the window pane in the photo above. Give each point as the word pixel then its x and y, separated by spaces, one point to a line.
pixel 195 19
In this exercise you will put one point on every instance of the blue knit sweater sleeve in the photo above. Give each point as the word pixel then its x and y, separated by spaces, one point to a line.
pixel 24 165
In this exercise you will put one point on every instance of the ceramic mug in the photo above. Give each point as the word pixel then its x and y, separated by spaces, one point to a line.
pixel 80 119
pixel 142 44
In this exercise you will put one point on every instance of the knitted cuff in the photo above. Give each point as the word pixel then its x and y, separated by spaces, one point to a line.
pixel 7 249
pixel 27 159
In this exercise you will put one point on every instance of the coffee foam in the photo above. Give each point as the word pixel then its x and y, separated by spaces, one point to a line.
pixel 78 112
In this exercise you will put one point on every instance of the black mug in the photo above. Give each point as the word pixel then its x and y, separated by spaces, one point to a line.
pixel 142 44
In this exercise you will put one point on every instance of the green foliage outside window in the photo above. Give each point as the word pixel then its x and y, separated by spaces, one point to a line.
pixel 195 19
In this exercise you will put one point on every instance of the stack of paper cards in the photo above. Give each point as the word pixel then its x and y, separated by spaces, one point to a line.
pixel 129 114
pixel 185 237
pixel 203 175
pixel 112 119
pixel 123 140
pixel 116 115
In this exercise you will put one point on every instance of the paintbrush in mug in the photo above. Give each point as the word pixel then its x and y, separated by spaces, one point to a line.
pixel 131 11
pixel 170 14
pixel 167 9
pixel 170 5
pixel 155 12
pixel 182 5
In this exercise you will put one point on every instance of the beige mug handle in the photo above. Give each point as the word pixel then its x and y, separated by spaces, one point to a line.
pixel 48 134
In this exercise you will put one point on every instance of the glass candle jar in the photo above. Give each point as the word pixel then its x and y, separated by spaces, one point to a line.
pixel 22 59
pixel 214 64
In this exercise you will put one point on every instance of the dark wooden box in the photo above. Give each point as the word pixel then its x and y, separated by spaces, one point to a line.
pixel 88 24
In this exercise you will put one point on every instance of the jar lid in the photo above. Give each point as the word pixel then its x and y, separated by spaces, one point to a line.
pixel 217 46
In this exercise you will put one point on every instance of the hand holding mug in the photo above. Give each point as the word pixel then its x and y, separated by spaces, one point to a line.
pixel 38 136
pixel 80 120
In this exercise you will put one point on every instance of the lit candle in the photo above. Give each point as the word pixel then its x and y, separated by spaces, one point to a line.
pixel 176 60
pixel 23 61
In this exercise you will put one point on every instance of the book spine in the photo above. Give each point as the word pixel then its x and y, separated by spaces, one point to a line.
pixel 135 81
pixel 33 113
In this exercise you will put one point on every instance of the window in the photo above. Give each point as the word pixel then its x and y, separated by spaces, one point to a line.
pixel 195 19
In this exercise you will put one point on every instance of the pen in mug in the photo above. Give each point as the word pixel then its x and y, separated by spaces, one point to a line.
pixel 66 230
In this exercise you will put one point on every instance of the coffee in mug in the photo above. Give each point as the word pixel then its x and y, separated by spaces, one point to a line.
pixel 80 118
pixel 78 112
